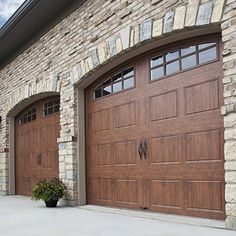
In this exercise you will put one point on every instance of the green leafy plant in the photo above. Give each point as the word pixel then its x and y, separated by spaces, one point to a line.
pixel 49 190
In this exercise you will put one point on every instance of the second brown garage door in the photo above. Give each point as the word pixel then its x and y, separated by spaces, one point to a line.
pixel 36 152
pixel 155 133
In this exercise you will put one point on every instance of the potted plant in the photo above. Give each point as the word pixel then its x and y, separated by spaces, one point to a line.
pixel 49 191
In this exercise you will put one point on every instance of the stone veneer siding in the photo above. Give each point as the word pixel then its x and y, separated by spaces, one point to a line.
pixel 92 36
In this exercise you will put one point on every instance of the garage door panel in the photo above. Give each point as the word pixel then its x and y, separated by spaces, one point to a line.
pixel 163 86
pixel 205 195
pixel 126 192
pixel 204 146
pixel 190 123
pixel 24 163
pixel 125 115
pixel 44 134
pixel 101 155
pixel 202 97
pixel 25 139
pixel 163 171
pixel 200 75
pixel 211 170
pixel 165 193
pixel 125 153
pixel 33 161
pixel 25 183
pixel 164 150
pixel 32 137
pixel 117 154
pixel 162 106
pixel 100 120
pixel 201 121
pixel 101 191
pixel 111 137
pixel 48 159
pixel 116 171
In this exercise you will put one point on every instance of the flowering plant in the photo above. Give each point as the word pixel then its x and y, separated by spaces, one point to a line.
pixel 48 190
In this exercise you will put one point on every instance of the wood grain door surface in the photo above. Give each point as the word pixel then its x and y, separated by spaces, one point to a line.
pixel 36 149
pixel 179 118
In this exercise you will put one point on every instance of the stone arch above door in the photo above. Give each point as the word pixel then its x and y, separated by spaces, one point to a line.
pixel 194 16
pixel 39 88
pixel 25 102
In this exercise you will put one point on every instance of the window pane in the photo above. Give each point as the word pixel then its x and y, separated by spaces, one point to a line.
pixel 24 119
pixel 172 68
pixel 116 77
pixel 117 87
pixel 28 116
pixel 157 61
pixel 56 108
pixel 45 112
pixel 205 45
pixel 157 73
pixel 56 102
pixel 172 55
pixel 97 93
pixel 50 103
pixel 107 90
pixel 207 55
pixel 129 83
pixel 128 73
pixel 188 50
pixel 50 110
pixel 107 82
pixel 188 62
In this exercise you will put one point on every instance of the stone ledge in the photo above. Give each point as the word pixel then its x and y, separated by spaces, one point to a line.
pixel 229 108
pixel 66 139
pixel 4 150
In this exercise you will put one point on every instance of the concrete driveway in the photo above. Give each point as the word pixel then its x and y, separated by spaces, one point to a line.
pixel 20 216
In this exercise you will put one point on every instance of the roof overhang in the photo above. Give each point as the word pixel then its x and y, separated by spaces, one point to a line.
pixel 33 19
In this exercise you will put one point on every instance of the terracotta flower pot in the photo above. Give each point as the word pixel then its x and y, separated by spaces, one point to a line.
pixel 51 203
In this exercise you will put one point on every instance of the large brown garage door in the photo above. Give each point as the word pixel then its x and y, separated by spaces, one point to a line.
pixel 155 133
pixel 36 155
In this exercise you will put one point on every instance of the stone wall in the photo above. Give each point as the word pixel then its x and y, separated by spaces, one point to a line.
pixel 228 27
pixel 92 36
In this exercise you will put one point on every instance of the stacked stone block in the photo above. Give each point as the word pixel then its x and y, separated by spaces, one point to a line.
pixel 228 27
